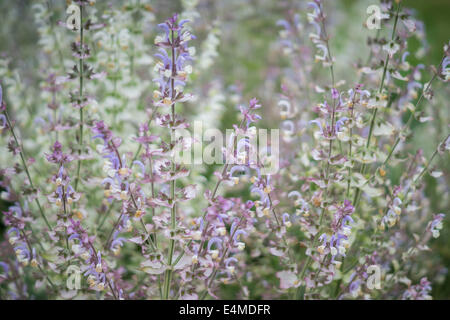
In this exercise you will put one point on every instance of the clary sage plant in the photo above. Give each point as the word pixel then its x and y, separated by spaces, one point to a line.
pixel 137 164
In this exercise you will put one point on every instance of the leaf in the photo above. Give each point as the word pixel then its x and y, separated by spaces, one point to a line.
pixel 436 174
pixel 276 252
pixel 372 192
pixel 423 247
pixel 412 208
pixel 383 129
pixel 68 294
pixel 358 180
pixel 338 159
pixel 184 261
pixel 405 281
pixel 138 239
pixel 398 76
pixel 425 119
pixel 153 267
pixel 288 279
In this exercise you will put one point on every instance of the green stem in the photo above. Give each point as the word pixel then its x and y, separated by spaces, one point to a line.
pixel 290 256
pixel 350 146
pixel 374 113
pixel 81 99
pixel 31 249
pixel 300 290
pixel 24 163
pixel 112 230
pixel 152 188
pixel 429 162
pixel 168 275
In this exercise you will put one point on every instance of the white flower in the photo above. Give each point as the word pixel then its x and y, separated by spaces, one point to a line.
pixel 346 231
pixel 321 249
pixel 345 243
pixel 333 251
pixel 76 248
pixel 85 255
pixel 214 253
pixel 159 39
pixel 222 231
pixel 197 235
pixel 241 246
pixel 188 69
pixel 230 269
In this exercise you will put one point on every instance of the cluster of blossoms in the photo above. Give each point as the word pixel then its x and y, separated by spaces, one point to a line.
pixel 114 166
pixel 173 67
pixel 435 225
pixel 360 276
pixel 119 186
pixel 338 243
pixel 18 240
pixel 111 213
pixel 64 193
pixel 316 18
pixel 226 222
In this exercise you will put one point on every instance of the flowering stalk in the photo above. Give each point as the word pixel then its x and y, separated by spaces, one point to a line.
pixel 215 229
pixel 374 113
pixel 81 66
pixel 173 71
pixel 16 218
pixel 81 71
pixel 350 142
pixel 117 185
pixel 168 275
pixel 405 127
pixel 213 274
pixel 315 17
pixel 144 140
